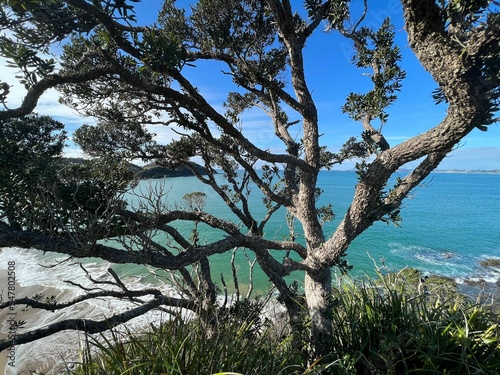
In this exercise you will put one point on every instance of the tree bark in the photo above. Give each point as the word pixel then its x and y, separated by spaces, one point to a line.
pixel 318 290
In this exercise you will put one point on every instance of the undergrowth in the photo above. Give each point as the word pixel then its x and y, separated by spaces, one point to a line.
pixel 387 326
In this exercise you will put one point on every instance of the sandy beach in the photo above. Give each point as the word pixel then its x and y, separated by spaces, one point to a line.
pixel 53 354
pixel 17 361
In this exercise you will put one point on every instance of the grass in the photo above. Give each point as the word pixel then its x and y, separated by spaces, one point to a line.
pixel 188 347
pixel 389 327
pixel 381 327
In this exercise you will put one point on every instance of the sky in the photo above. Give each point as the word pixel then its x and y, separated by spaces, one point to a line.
pixel 331 77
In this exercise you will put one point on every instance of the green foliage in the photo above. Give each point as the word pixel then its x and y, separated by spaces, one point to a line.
pixel 242 30
pixel 325 213
pixel 29 146
pixel 55 20
pixel 161 51
pixel 37 193
pixel 390 328
pixel 91 185
pixel 180 347
pixel 34 25
pixel 353 148
pixel 338 12
pixel 50 20
pixel 129 139
pixel 27 60
pixel 465 13
pixel 375 51
pixel 184 148
pixel 80 197
pixel 29 141
pixel 382 326
pixel 236 103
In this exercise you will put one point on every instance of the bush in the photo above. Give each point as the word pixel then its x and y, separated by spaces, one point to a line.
pixel 186 347
pixel 388 326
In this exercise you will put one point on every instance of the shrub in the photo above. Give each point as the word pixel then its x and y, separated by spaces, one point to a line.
pixel 186 347
pixel 389 327
pixel 384 326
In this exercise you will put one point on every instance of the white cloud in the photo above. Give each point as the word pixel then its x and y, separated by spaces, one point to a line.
pixel 74 153
pixel 48 103
pixel 165 134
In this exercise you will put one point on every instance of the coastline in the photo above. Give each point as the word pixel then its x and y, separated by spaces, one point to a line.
pixel 54 352
pixel 34 318
pixel 468 171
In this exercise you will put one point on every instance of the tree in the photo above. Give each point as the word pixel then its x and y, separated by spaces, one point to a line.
pixel 128 76
pixel 39 192
pixel 27 147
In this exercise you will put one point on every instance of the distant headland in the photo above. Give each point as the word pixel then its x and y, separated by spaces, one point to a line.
pixel 153 171
pixel 468 171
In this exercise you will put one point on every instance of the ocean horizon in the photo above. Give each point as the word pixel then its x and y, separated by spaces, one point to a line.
pixel 449 225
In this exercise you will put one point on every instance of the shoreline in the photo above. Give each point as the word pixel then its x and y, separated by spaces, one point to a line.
pixel 33 317
pixel 54 353
pixel 64 346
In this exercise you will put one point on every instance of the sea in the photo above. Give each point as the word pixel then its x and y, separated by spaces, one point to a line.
pixel 450 223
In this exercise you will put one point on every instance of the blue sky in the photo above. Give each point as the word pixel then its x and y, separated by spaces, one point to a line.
pixel 330 77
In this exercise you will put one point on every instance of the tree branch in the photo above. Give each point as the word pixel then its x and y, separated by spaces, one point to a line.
pixel 201 104
pixel 94 326
pixel 36 304
pixel 36 91
pixel 10 237
pixel 407 184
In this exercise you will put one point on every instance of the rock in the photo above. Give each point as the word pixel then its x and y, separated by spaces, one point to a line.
pixel 491 262
pixel 475 282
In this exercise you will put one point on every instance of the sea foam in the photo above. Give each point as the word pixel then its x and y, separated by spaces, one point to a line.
pixel 33 276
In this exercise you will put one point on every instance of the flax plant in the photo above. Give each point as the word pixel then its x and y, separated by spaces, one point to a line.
pixel 186 347
pixel 387 325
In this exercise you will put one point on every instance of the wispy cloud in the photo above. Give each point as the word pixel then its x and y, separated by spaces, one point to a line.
pixel 473 158
pixel 480 149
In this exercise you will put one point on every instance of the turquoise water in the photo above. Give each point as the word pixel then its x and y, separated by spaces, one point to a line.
pixel 449 225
